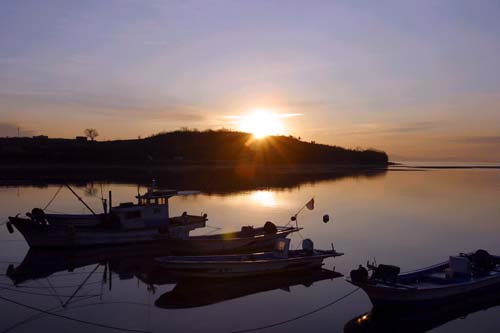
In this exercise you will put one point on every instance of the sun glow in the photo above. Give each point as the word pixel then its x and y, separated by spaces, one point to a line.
pixel 264 198
pixel 261 123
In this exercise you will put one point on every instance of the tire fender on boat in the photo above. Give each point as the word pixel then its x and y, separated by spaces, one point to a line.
pixel 10 227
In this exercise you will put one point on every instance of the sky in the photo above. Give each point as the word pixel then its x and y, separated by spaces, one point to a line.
pixel 417 79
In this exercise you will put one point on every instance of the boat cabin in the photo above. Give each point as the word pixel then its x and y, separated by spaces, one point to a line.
pixel 152 211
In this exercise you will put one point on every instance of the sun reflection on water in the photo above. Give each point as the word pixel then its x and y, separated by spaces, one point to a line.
pixel 264 198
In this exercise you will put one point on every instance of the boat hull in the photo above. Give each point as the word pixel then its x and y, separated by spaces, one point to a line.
pixel 380 297
pixel 199 245
pixel 217 269
pixel 40 236
pixel 383 295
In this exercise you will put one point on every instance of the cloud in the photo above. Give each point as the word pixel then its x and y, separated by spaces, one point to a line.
pixel 393 129
pixel 278 115
pixel 479 140
pixel 11 130
pixel 171 114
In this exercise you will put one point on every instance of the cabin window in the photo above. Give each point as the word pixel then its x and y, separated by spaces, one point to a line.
pixel 133 214
pixel 280 246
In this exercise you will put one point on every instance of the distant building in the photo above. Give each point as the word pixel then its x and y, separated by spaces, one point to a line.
pixel 40 137
pixel 81 138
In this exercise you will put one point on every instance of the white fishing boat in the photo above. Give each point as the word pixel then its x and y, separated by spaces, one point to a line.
pixel 462 275
pixel 146 221
pixel 281 259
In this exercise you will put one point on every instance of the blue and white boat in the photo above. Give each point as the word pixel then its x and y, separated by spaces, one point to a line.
pixel 462 275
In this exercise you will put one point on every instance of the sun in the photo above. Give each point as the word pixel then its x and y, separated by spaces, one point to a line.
pixel 261 123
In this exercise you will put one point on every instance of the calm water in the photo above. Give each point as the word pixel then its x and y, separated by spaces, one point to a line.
pixel 408 218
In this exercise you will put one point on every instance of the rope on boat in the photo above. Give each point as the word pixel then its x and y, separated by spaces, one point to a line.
pixel 51 200
pixel 38 294
pixel 300 316
pixel 47 287
pixel 71 318
pixel 40 315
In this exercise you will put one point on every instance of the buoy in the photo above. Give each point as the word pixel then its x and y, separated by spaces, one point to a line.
pixel 10 228
pixel 326 218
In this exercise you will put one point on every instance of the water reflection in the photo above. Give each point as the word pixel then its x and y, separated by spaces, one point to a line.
pixel 264 198
pixel 201 292
pixel 409 218
pixel 138 261
pixel 423 319
pixel 126 261
pixel 219 180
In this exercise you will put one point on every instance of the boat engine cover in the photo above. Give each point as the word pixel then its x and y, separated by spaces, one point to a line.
pixel 308 246
pixel 387 273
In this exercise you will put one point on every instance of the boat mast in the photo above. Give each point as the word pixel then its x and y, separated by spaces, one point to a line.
pixel 81 200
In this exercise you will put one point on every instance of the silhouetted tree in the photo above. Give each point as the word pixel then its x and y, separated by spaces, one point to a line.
pixel 91 133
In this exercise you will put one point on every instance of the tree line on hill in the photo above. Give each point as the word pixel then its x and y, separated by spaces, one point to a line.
pixel 185 147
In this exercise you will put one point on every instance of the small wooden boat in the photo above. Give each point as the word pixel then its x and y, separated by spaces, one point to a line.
pixel 465 274
pixel 280 260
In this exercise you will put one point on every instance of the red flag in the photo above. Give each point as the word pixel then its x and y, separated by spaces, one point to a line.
pixel 310 204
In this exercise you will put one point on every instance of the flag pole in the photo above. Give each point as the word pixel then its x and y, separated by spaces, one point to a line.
pixel 294 217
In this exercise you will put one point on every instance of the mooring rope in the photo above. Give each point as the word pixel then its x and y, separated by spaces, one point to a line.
pixel 298 317
pixel 38 294
pixel 46 287
pixel 71 318
pixel 40 315
pixel 55 195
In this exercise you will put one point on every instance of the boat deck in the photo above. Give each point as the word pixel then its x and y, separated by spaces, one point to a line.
pixel 246 258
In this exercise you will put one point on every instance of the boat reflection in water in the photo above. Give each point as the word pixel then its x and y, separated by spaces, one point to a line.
pixel 138 261
pixel 126 261
pixel 422 319
pixel 191 293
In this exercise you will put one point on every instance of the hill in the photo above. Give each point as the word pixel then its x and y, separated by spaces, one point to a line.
pixel 183 147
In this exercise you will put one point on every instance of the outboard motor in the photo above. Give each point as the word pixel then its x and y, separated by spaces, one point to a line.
pixel 308 246
pixel 481 261
pixel 387 273
pixel 359 275
pixel 270 228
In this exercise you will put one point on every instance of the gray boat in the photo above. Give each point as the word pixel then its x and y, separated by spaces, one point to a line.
pixel 281 259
